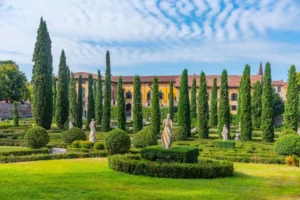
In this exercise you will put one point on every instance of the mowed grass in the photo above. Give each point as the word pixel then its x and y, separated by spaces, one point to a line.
pixel 12 148
pixel 92 179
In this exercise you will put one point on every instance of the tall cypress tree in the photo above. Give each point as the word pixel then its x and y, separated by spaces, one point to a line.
pixel 291 104
pixel 267 111
pixel 91 103
pixel 171 101
pixel 72 99
pixel 16 114
pixel 213 118
pixel 99 99
pixel 62 108
pixel 193 100
pixel 137 105
pixel 224 110
pixel 256 105
pixel 245 115
pixel 42 105
pixel 155 114
pixel 184 119
pixel 107 96
pixel 54 93
pixel 79 103
pixel 203 108
pixel 121 105
pixel 68 83
pixel 240 94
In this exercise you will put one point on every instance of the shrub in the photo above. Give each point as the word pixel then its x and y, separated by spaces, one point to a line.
pixel 288 132
pixel 86 144
pixel 145 137
pixel 99 145
pixel 117 142
pixel 291 160
pixel 179 133
pixel 36 137
pixel 76 144
pixel 25 152
pixel 73 134
pixel 224 144
pixel 175 154
pixel 288 145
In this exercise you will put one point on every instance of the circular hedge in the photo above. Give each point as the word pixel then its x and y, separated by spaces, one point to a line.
pixel 179 133
pixel 73 134
pixel 145 137
pixel 288 145
pixel 205 168
pixel 117 142
pixel 36 138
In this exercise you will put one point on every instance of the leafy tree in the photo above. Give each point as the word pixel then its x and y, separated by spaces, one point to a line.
pixel 184 119
pixel 42 105
pixel 16 115
pixel 213 118
pixel 291 104
pixel 137 105
pixel 267 111
pixel 193 100
pixel 91 103
pixel 224 110
pixel 54 94
pixel 62 108
pixel 107 96
pixel 121 105
pixel 277 104
pixel 203 108
pixel 72 98
pixel 155 114
pixel 99 99
pixel 78 122
pixel 171 101
pixel 256 105
pixel 245 106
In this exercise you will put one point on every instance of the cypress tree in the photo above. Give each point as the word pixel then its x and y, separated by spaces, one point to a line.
pixel 137 105
pixel 267 111
pixel 107 96
pixel 72 98
pixel 79 104
pixel 91 103
pixel 68 72
pixel 171 101
pixel 193 100
pixel 203 108
pixel 240 94
pixel 155 114
pixel 121 105
pixel 213 118
pixel 16 114
pixel 184 119
pixel 224 110
pixel 245 106
pixel 256 105
pixel 291 104
pixel 42 105
pixel 54 94
pixel 62 108
pixel 99 99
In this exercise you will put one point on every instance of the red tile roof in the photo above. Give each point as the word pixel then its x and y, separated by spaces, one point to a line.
pixel 278 83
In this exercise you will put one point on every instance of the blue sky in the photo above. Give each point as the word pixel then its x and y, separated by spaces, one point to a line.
pixel 156 37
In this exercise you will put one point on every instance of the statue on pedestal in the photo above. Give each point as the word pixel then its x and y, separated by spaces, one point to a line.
pixel 92 136
pixel 166 136
pixel 237 137
pixel 225 133
pixel 71 121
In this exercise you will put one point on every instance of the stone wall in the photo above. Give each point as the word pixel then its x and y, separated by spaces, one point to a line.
pixel 6 110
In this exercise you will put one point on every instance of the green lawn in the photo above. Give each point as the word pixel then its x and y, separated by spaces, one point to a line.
pixel 92 179
pixel 12 148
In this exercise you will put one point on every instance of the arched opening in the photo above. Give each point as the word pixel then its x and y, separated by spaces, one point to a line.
pixel 83 92
pixel 161 94
pixel 128 110
pixel 128 95
pixel 149 94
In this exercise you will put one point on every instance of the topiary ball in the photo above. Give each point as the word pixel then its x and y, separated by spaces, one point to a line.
pixel 179 134
pixel 36 137
pixel 145 137
pixel 117 142
pixel 73 134
pixel 288 145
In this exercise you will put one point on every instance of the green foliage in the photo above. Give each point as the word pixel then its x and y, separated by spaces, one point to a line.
pixel 36 138
pixel 72 98
pixel 25 152
pixel 121 106
pixel 54 93
pixel 267 112
pixel 73 134
pixel 137 105
pixel 277 104
pixel 107 96
pixel 91 102
pixel 224 110
pixel 179 133
pixel 288 145
pixel 288 132
pixel 78 122
pixel 213 117
pixel 171 102
pixel 193 100
pixel 42 105
pixel 155 114
pixel 203 112
pixel 256 104
pixel 224 144
pixel 76 144
pixel 184 119
pixel 85 144
pixel 145 137
pixel 16 115
pixel 117 141
pixel 99 145
pixel 99 100
pixel 163 111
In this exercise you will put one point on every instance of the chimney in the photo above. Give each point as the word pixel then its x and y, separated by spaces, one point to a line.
pixel 260 71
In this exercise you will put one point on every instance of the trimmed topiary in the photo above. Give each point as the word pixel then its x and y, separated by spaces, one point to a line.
pixel 86 144
pixel 99 145
pixel 224 144
pixel 288 145
pixel 145 137
pixel 288 132
pixel 117 142
pixel 179 133
pixel 36 137
pixel 75 144
pixel 73 134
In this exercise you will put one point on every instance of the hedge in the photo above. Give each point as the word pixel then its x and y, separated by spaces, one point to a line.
pixel 175 154
pixel 25 152
pixel 224 144
pixel 251 159
pixel 163 111
pixel 206 168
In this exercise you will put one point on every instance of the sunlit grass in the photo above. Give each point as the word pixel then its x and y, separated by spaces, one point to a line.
pixel 12 148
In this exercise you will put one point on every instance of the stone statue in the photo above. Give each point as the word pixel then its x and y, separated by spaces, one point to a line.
pixel 71 121
pixel 92 136
pixel 237 137
pixel 225 133
pixel 166 136
pixel 299 131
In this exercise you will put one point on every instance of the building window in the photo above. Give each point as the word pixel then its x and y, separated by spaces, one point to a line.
pixel 278 89
pixel 128 95
pixel 83 103
pixel 161 95
pixel 149 95
pixel 83 92
pixel 83 82
pixel 234 97
pixel 233 107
